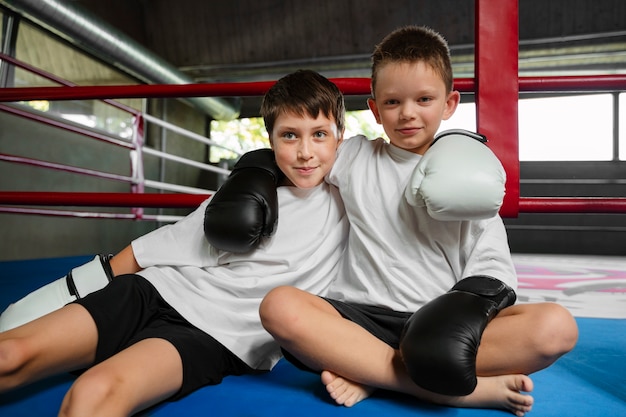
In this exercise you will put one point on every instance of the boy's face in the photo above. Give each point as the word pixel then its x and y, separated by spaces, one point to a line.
pixel 411 101
pixel 305 148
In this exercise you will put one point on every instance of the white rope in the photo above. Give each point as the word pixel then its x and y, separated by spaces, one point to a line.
pixel 186 133
pixel 175 187
pixel 191 162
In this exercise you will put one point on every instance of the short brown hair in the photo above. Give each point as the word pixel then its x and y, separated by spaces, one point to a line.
pixel 303 92
pixel 414 44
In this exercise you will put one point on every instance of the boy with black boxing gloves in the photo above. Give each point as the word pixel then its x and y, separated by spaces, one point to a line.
pixel 186 314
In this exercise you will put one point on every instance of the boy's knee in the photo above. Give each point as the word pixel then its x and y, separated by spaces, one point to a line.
pixel 569 329
pixel 14 355
pixel 272 303
pixel 88 394
pixel 558 329
pixel 277 306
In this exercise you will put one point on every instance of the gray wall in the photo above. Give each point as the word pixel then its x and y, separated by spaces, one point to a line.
pixel 591 233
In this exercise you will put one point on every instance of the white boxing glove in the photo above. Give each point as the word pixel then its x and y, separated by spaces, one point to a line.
pixel 82 280
pixel 458 178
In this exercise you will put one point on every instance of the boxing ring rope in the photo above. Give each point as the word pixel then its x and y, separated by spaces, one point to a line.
pixel 357 86
pixel 137 200
pixel 496 85
pixel 349 86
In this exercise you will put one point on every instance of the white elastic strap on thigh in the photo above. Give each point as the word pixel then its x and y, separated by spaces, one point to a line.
pixel 89 277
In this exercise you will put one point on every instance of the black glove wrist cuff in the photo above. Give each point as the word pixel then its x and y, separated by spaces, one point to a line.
pixel 488 287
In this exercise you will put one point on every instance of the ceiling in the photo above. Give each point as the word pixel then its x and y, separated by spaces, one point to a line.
pixel 250 40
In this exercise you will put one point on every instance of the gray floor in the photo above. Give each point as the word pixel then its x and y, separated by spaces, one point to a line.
pixel 589 286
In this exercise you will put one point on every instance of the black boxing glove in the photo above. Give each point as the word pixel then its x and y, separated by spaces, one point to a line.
pixel 440 341
pixel 245 208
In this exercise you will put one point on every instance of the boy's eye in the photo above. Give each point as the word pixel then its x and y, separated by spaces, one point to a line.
pixel 289 135
pixel 320 134
pixel 425 99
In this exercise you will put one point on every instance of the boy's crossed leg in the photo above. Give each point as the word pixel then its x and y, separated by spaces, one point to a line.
pixel 356 362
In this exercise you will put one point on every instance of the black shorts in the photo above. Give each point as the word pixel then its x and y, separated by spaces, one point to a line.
pixel 130 309
pixel 384 324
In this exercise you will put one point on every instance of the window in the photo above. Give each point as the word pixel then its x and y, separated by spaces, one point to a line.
pixel 463 118
pixel 572 128
pixel 566 128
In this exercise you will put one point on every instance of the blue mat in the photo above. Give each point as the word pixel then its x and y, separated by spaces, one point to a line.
pixel 589 381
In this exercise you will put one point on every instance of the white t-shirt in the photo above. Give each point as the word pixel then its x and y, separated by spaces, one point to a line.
pixel 220 292
pixel 398 256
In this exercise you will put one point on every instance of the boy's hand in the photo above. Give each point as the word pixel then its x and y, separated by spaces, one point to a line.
pixel 245 208
pixel 458 178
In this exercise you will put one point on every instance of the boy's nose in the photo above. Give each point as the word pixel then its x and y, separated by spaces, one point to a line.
pixel 407 111
pixel 304 151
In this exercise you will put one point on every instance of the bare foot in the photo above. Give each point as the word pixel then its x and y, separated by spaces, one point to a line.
pixel 344 391
pixel 503 392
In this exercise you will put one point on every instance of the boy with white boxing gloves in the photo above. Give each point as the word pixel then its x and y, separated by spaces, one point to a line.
pixel 424 305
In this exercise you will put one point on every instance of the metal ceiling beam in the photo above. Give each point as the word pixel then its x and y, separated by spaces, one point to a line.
pixel 90 33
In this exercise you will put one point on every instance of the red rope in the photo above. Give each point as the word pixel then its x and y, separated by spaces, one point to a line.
pixel 101 199
pixel 349 86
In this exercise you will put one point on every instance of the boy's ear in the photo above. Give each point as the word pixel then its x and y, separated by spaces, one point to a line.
pixel 454 98
pixel 340 138
pixel 371 103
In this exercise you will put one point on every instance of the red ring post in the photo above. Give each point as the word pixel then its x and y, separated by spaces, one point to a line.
pixel 497 91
